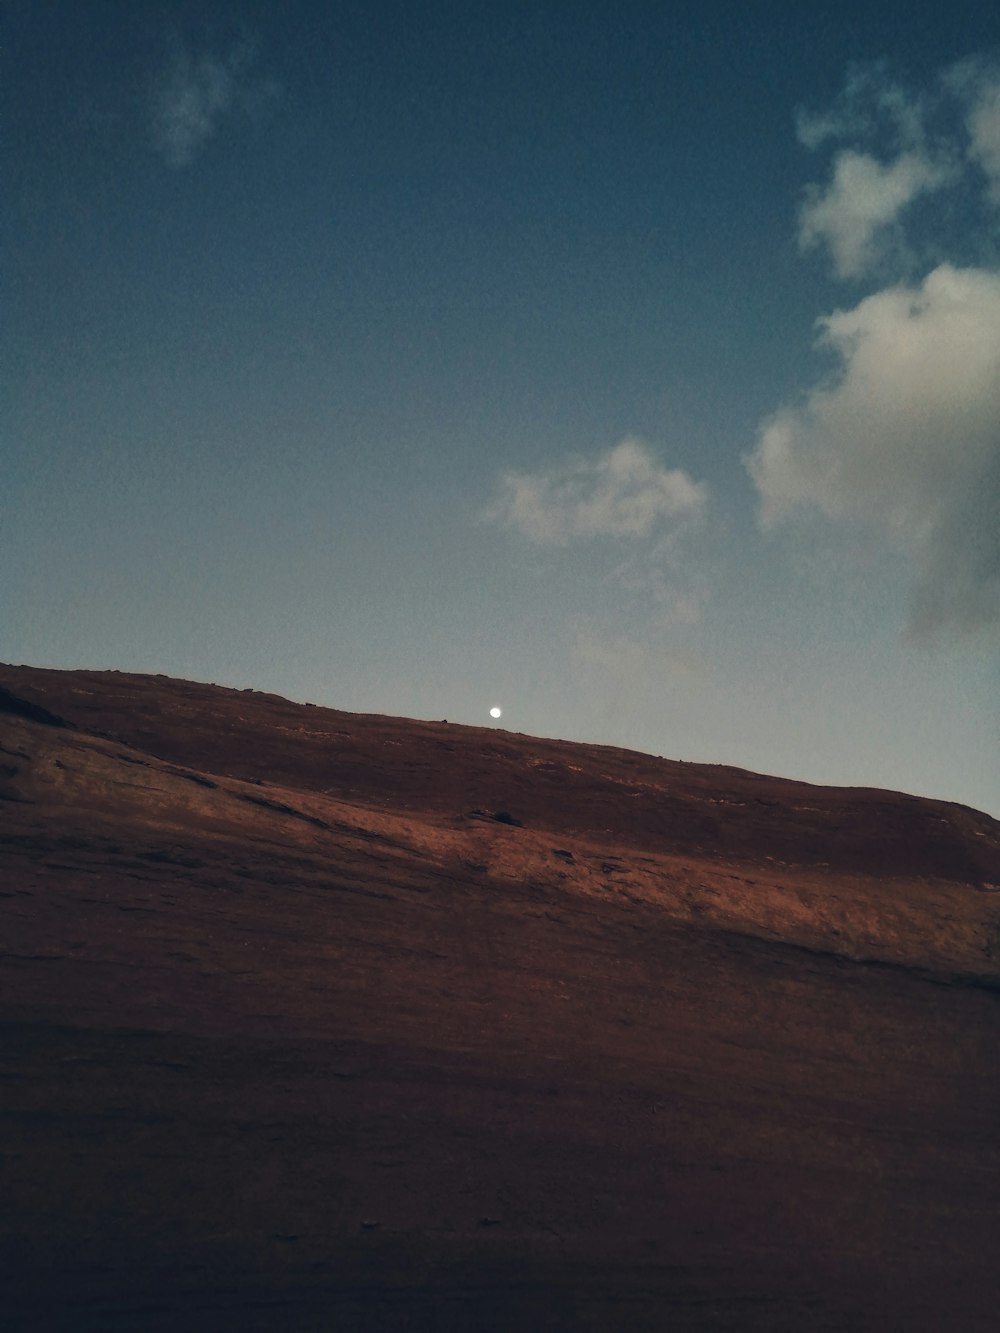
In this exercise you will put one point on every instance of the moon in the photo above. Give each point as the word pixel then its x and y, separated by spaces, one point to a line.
pixel 496 710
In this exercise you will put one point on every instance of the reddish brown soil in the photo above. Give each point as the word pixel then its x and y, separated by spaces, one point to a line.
pixel 296 1034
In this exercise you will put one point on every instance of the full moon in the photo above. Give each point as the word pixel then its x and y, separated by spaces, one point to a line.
pixel 495 711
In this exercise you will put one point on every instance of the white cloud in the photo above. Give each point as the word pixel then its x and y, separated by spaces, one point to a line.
pixel 906 438
pixel 194 94
pixel 863 199
pixel 903 440
pixel 892 147
pixel 623 492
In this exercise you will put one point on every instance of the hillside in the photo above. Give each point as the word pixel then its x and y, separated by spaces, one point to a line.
pixel 321 1020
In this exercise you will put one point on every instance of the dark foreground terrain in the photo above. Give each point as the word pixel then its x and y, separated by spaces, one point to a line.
pixel 297 1033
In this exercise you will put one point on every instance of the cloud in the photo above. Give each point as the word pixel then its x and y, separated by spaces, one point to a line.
pixel 905 439
pixel 871 104
pixel 193 96
pixel 623 492
pixel 864 198
pixel 984 133
pixel 891 149
pixel 976 83
pixel 893 160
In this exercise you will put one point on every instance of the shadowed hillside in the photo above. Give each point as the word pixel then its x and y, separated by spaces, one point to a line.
pixel 316 1020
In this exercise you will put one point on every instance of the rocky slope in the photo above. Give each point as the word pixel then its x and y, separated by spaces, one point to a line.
pixel 317 1020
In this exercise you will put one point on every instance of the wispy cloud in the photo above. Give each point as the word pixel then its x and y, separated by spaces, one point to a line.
pixel 871 102
pixel 195 93
pixel 853 214
pixel 893 146
pixel 976 83
pixel 624 492
pixel 890 163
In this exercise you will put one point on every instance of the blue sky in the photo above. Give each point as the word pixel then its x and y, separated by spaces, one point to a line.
pixel 635 367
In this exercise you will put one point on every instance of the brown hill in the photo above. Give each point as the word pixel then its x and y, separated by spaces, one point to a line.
pixel 312 1020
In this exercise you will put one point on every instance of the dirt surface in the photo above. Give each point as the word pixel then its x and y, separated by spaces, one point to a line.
pixel 319 1021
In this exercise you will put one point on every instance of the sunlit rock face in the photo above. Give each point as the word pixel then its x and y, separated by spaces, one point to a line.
pixel 318 1020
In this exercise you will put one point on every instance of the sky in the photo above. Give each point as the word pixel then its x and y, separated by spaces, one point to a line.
pixel 634 368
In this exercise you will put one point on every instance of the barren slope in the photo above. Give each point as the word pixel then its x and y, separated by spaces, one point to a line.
pixel 296 1036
